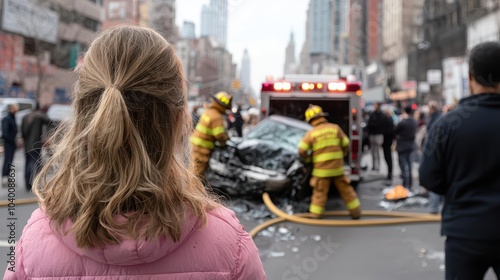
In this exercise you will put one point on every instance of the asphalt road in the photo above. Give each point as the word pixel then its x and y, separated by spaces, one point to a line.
pixel 297 252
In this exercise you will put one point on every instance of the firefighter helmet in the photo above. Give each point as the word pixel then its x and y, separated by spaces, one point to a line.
pixel 313 112
pixel 224 99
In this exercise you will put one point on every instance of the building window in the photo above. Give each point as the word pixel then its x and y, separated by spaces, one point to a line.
pixel 90 23
pixel 29 46
pixel 98 2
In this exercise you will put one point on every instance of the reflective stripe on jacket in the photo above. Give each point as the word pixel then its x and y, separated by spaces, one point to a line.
pixel 325 145
pixel 210 129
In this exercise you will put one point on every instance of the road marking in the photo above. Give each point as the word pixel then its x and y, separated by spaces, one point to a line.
pixel 5 243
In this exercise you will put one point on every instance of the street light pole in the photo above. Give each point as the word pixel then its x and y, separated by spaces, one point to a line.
pixel 421 47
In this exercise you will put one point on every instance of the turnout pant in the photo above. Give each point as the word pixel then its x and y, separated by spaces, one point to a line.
pixel 321 186
pixel 470 259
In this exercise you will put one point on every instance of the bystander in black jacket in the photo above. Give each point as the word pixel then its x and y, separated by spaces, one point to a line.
pixel 33 127
pixel 388 125
pixel 9 129
pixel 434 117
pixel 405 135
pixel 461 160
pixel 238 122
pixel 376 123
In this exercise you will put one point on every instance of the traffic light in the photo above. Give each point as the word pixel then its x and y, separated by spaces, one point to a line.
pixel 235 84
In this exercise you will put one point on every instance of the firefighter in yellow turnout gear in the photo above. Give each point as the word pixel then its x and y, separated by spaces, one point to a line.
pixel 210 129
pixel 327 145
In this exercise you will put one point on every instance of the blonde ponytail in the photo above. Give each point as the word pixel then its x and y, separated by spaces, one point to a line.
pixel 109 128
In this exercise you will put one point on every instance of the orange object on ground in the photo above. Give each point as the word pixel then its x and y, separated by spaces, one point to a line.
pixel 397 193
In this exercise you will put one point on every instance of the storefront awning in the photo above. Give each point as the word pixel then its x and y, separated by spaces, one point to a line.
pixel 403 95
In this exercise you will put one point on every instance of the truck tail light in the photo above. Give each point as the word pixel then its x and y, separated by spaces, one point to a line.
pixel 337 86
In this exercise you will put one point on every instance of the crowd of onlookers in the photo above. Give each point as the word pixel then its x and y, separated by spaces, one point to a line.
pixel 34 130
pixel 388 129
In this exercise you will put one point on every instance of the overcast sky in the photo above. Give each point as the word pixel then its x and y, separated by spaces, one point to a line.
pixel 261 26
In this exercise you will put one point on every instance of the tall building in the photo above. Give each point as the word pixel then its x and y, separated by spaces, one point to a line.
pixel 290 63
pixel 357 32
pixel 118 12
pixel 245 72
pixel 188 30
pixel 305 60
pixel 156 14
pixel 214 21
pixel 207 66
pixel 319 27
pixel 400 20
pixel 340 29
pixel 207 23
pixel 445 23
pixel 161 16
pixel 55 42
pixel 327 36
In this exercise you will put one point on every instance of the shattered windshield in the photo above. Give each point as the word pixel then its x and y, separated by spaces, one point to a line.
pixel 285 135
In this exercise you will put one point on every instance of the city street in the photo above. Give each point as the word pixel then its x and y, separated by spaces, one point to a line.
pixel 292 251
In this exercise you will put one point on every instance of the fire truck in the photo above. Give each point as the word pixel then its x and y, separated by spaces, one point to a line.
pixel 339 97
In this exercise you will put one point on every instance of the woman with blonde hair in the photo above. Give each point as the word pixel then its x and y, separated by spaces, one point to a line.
pixel 117 199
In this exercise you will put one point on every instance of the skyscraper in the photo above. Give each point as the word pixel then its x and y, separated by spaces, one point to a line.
pixel 188 30
pixel 340 30
pixel 245 72
pixel 161 16
pixel 214 21
pixel 290 64
pixel 320 27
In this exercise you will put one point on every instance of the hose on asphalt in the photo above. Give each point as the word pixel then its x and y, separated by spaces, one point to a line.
pixel 21 201
pixel 302 218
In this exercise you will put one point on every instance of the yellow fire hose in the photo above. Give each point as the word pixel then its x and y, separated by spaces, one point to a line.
pixel 302 218
pixel 20 201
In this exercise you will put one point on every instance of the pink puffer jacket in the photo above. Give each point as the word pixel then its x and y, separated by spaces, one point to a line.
pixel 220 250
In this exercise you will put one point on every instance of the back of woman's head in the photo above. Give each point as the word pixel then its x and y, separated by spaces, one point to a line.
pixel 125 151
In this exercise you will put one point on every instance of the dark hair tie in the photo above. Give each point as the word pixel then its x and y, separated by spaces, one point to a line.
pixel 115 86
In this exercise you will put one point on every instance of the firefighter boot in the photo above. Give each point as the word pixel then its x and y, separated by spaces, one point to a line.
pixel 348 195
pixel 320 186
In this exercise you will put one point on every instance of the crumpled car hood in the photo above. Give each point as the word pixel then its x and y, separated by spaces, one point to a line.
pixel 254 166
pixel 265 154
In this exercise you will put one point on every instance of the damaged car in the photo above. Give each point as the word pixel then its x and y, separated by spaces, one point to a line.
pixel 264 160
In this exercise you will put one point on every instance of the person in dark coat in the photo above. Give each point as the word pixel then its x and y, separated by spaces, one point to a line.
pixel 405 137
pixel 375 131
pixel 386 146
pixel 435 199
pixel 9 133
pixel 32 129
pixel 461 162
pixel 435 115
pixel 238 122
pixel 194 115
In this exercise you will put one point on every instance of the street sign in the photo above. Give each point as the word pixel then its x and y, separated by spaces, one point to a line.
pixel 424 87
pixel 194 91
pixel 434 76
pixel 409 85
pixel 235 84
